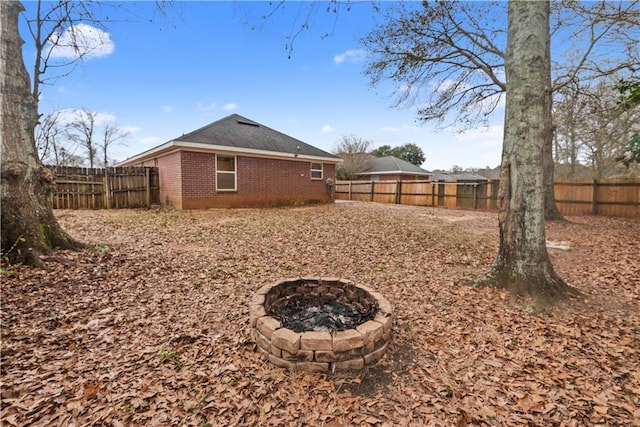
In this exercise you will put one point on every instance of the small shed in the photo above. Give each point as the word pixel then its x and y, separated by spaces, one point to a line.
pixel 391 168
pixel 237 162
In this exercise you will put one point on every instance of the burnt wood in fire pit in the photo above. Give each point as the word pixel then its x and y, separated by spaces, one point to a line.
pixel 319 314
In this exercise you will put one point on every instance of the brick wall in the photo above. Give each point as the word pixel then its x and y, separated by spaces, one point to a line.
pixel 260 182
pixel 188 181
pixel 170 178
pixel 198 175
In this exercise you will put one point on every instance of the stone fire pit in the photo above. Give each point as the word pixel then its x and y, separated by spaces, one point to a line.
pixel 316 324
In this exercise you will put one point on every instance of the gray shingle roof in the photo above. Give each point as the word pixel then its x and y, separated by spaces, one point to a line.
pixel 462 176
pixel 391 164
pixel 239 132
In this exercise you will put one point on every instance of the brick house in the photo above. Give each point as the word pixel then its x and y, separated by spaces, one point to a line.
pixel 390 168
pixel 236 162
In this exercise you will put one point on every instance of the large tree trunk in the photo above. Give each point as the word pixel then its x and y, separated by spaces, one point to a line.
pixel 29 227
pixel 522 265
pixel 551 211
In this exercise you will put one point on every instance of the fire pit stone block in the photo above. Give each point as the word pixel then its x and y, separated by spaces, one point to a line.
pixel 375 355
pixel 349 365
pixel 286 339
pixel 267 325
pixel 321 350
pixel 371 331
pixel 347 340
pixel 299 356
pixel 316 340
pixel 256 311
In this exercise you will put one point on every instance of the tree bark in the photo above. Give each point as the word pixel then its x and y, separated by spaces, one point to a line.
pixel 29 227
pixel 551 211
pixel 523 266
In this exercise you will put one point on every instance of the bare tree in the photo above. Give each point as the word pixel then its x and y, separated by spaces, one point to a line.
pixel 61 25
pixel 593 127
pixel 48 135
pixel 448 57
pixel 606 130
pixel 354 150
pixel 111 135
pixel 566 142
pixel 29 227
pixel 82 130
pixel 445 56
pixel 630 98
pixel 522 265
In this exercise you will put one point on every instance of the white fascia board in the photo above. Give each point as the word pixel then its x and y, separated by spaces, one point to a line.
pixel 149 154
pixel 173 146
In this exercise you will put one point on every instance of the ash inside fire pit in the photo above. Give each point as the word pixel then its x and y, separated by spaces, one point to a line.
pixel 320 314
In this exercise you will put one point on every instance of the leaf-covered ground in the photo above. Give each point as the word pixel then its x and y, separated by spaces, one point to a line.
pixel 151 326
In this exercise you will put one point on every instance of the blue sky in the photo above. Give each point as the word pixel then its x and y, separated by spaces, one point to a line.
pixel 160 78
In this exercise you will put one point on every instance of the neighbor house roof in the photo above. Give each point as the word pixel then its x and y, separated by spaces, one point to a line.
pixel 392 165
pixel 462 176
pixel 240 135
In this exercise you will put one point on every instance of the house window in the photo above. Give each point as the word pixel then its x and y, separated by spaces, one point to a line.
pixel 316 170
pixel 225 173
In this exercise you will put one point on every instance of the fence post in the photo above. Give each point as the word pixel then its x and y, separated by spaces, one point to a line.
pixel 107 194
pixel 398 191
pixel 432 193
pixel 147 186
pixel 373 183
pixel 475 196
pixel 594 199
pixel 350 189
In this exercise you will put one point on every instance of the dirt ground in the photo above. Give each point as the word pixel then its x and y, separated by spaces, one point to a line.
pixel 150 326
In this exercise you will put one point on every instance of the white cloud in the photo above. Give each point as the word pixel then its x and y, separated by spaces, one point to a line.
pixel 149 140
pixel 102 118
pixel 326 129
pixel 484 137
pixel 447 85
pixel 230 106
pixel 499 100
pixel 167 108
pixel 129 129
pixel 206 107
pixel 69 115
pixel 452 85
pixel 353 55
pixel 81 40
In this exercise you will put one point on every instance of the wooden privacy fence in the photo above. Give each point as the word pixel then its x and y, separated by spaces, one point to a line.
pixel 105 188
pixel 611 197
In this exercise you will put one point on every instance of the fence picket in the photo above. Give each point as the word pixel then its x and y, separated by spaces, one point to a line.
pixel 105 188
pixel 608 197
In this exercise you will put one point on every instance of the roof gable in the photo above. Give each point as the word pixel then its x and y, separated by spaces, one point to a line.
pixel 241 133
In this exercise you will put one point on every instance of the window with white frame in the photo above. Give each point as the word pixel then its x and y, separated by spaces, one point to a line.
pixel 225 173
pixel 316 170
